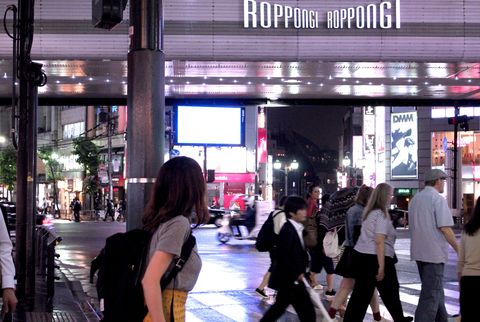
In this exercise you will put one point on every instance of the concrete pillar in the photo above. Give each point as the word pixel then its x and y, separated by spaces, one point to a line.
pixel 146 105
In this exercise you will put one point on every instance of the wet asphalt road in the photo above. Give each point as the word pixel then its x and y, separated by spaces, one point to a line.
pixel 234 268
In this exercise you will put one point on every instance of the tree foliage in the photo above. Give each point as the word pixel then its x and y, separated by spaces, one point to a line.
pixel 53 167
pixel 87 154
pixel 8 167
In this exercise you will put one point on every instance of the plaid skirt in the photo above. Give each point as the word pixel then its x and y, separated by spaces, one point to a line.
pixel 179 299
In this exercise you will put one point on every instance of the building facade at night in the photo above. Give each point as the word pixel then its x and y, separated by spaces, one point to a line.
pixel 395 61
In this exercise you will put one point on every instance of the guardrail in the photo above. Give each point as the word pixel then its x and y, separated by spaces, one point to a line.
pixel 47 240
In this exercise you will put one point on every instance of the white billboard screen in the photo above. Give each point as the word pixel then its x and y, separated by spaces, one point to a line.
pixel 404 148
pixel 209 125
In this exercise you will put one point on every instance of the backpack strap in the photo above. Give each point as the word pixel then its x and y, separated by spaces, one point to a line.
pixel 179 262
pixel 178 266
pixel 277 213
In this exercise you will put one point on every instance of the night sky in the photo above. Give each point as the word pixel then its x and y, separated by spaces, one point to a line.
pixel 322 125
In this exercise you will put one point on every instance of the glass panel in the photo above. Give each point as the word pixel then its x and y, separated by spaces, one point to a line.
pixel 438 112
pixel 449 111
pixel 466 111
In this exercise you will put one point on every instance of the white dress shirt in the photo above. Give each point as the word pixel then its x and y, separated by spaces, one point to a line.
pixel 6 260
pixel 299 228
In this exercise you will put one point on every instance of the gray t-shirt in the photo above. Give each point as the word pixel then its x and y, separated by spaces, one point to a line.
pixel 170 237
pixel 376 223
pixel 428 211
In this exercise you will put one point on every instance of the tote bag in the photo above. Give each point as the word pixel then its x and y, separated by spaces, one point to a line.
pixel 311 237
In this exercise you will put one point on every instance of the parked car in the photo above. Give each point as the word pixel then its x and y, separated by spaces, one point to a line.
pixel 9 211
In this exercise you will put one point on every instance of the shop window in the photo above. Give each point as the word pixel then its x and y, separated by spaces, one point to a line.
pixel 444 112
pixel 73 130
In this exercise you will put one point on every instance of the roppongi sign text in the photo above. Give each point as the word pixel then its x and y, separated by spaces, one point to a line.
pixel 262 14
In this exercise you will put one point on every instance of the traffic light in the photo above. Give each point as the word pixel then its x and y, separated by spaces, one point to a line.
pixel 106 14
pixel 210 176
pixel 103 117
pixel 461 120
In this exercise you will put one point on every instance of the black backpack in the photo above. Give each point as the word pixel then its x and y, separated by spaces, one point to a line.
pixel 121 265
pixel 266 238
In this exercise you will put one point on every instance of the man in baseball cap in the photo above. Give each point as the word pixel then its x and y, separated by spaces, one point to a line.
pixel 435 174
pixel 430 221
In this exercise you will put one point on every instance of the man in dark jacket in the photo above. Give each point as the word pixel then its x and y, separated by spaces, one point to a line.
pixel 110 211
pixel 291 264
pixel 77 206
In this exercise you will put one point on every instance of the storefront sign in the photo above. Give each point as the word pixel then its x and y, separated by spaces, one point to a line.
pixel 404 140
pixel 262 146
pixel 371 16
pixel 403 192
pixel 369 171
pixel 103 174
pixel 235 177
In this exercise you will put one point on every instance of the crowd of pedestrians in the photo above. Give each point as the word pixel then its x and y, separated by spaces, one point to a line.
pixel 367 264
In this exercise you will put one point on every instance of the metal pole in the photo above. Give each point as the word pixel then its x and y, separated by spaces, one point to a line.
pixel 29 78
pixel 205 171
pixel 31 186
pixel 455 150
pixel 146 105
pixel 109 168
pixel 286 180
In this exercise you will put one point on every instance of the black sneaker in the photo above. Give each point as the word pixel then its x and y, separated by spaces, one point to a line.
pixel 261 293
pixel 330 294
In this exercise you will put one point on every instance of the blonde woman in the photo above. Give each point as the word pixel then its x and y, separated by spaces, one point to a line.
pixel 353 224
pixel 375 251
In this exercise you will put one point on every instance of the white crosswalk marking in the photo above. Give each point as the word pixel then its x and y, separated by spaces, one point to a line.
pixel 410 301
pixel 409 295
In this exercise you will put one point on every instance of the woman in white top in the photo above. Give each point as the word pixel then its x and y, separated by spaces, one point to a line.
pixel 374 252
pixel 469 267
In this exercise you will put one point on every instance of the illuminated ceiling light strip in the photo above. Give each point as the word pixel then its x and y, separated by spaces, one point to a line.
pixel 141 180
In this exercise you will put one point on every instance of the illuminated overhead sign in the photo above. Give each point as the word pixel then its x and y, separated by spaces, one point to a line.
pixel 384 15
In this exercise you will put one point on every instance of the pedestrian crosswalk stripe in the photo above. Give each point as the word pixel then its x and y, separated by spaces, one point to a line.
pixel 455 294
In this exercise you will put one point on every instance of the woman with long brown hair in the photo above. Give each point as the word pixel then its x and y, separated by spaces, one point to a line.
pixel 178 198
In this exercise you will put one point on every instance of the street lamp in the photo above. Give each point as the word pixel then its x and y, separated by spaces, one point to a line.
pixel 277 165
pixel 3 140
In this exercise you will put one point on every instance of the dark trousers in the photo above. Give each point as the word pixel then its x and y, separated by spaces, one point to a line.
pixel 469 286
pixel 110 213
pixel 297 296
pixel 365 283
pixel 76 215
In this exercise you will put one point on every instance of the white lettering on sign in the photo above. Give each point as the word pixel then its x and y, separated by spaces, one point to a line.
pixel 371 16
pixel 269 15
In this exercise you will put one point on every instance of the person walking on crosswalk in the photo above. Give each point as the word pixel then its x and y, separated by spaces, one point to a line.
pixel 374 255
pixel 430 221
pixel 469 267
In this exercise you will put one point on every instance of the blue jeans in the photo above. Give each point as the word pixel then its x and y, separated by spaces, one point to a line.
pixel 431 304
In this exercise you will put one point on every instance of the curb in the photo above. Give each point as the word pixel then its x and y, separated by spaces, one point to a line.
pixel 78 295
